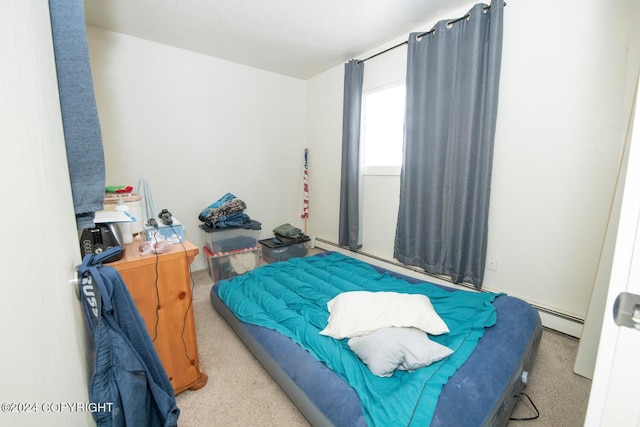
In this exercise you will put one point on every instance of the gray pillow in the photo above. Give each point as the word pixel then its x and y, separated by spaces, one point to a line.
pixel 388 349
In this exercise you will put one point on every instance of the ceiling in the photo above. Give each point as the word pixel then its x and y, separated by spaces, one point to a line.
pixel 297 38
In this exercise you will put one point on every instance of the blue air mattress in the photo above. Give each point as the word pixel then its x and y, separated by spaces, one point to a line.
pixel 479 386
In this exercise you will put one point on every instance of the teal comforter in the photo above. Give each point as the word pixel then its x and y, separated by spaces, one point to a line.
pixel 291 297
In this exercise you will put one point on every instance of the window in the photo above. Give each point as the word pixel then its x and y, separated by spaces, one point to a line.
pixel 383 130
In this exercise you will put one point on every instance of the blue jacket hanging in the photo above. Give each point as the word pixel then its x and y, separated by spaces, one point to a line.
pixel 127 373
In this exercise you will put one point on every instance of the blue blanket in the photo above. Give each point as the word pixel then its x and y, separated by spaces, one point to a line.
pixel 291 298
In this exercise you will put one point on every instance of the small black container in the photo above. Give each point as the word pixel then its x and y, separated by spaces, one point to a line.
pixel 274 251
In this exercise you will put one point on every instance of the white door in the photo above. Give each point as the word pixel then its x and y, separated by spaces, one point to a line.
pixel 43 359
pixel 614 399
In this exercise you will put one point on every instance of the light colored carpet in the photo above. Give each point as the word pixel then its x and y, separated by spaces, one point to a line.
pixel 240 392
pixel 560 395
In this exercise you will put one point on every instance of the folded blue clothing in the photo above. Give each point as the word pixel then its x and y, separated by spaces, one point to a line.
pixel 229 205
pixel 245 222
pixel 221 201
pixel 215 205
pixel 229 221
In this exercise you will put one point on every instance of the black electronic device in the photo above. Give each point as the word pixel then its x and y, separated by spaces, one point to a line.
pixel 100 238
pixel 165 217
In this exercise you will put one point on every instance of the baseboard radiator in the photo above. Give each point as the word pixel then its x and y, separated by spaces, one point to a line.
pixel 552 319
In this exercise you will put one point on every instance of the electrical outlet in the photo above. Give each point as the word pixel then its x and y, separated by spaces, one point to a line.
pixel 492 262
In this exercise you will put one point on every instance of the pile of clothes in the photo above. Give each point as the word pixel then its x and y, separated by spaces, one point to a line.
pixel 227 212
pixel 285 233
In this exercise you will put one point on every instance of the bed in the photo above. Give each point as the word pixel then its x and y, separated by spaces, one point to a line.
pixel 478 384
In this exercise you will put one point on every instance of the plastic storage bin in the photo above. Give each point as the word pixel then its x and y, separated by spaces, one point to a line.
pixel 230 264
pixel 291 248
pixel 230 239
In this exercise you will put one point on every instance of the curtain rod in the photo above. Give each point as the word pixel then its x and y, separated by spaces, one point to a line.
pixel 419 36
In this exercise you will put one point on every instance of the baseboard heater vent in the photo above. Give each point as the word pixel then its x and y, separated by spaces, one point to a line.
pixel 576 321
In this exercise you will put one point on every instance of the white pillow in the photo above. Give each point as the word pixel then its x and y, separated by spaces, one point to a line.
pixel 360 313
pixel 388 349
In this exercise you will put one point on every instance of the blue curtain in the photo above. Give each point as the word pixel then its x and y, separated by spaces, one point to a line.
pixel 349 226
pixel 452 82
pixel 82 134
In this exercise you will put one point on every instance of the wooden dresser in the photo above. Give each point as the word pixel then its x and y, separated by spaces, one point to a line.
pixel 161 289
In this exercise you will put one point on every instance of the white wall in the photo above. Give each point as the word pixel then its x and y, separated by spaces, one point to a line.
pixel 43 357
pixel 198 127
pixel 558 141
pixel 589 341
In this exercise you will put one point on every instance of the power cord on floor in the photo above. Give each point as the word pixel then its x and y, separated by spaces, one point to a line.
pixel 532 404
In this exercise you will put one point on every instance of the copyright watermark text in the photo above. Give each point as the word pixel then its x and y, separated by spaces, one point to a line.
pixel 55 407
